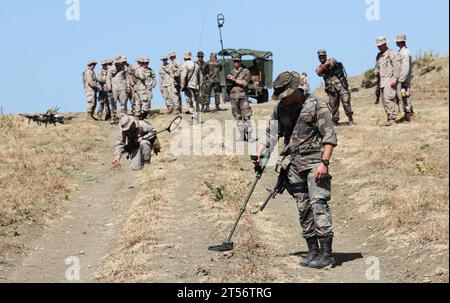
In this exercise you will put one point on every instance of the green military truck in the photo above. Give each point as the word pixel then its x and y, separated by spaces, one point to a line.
pixel 260 64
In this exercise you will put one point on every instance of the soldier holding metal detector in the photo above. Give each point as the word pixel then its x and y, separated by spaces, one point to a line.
pixel 306 124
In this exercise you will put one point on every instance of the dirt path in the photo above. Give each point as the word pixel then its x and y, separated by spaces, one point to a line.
pixel 88 227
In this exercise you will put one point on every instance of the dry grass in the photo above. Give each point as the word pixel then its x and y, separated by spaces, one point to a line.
pixel 37 170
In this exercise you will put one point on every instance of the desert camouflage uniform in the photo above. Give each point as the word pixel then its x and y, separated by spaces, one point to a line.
pixel 151 83
pixel 337 92
pixel 167 85
pixel 112 101
pixel 118 82
pixel 139 152
pixel 405 78
pixel 304 139
pixel 103 95
pixel 141 90
pixel 90 87
pixel 240 107
pixel 388 65
pixel 214 69
pixel 176 71
pixel 190 82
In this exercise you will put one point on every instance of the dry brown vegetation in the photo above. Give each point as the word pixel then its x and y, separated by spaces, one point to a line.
pixel 38 170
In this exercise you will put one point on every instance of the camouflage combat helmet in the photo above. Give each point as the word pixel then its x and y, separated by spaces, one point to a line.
pixel 285 85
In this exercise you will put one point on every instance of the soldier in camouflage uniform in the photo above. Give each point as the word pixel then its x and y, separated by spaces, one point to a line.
pixel 336 85
pixel 141 90
pixel 91 88
pixel 151 84
pixel 309 134
pixel 405 78
pixel 118 82
pixel 237 83
pixel 103 97
pixel 112 101
pixel 176 71
pixel 388 69
pixel 167 86
pixel 204 81
pixel 190 85
pixel 214 68
pixel 138 139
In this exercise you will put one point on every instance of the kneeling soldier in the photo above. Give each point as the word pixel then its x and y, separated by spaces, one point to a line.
pixel 138 139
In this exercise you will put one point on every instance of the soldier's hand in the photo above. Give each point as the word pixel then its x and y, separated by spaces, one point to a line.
pixel 393 83
pixel 376 72
pixel 322 172
pixel 116 162
pixel 230 77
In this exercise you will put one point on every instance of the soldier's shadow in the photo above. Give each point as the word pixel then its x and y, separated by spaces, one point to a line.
pixel 340 258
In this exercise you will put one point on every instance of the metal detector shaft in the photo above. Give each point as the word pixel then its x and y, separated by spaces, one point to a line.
pixel 243 208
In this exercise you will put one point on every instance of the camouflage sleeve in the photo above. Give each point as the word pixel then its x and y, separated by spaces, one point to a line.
pixel 395 58
pixel 325 124
pixel 101 77
pixel 404 66
pixel 333 62
pixel 246 77
pixel 148 131
pixel 91 80
pixel 153 80
pixel 120 146
pixel 109 79
pixel 270 140
pixel 183 75
pixel 142 73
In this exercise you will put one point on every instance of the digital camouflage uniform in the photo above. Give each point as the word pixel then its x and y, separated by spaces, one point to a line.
pixel 112 101
pixel 304 137
pixel 151 84
pixel 118 82
pixel 388 65
pixel 337 91
pixel 176 71
pixel 405 78
pixel 213 85
pixel 91 88
pixel 103 95
pixel 167 87
pixel 240 107
pixel 140 90
pixel 127 142
pixel 204 84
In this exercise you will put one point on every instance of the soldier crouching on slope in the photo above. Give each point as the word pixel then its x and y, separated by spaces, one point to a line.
pixel 138 139
pixel 309 134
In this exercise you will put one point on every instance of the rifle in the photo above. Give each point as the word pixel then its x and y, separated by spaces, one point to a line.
pixel 378 90
pixel 279 188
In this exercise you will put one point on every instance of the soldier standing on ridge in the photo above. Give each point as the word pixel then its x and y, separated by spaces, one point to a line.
pixel 112 101
pixel 336 85
pixel 151 84
pixel 167 87
pixel 140 87
pixel 214 69
pixel 204 81
pixel 176 71
pixel 309 134
pixel 118 82
pixel 404 85
pixel 190 85
pixel 388 69
pixel 91 88
pixel 237 83
pixel 103 97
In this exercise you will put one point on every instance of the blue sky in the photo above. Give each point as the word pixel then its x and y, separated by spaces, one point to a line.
pixel 44 54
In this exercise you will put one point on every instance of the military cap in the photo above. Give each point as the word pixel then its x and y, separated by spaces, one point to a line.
pixel 109 61
pixel 172 54
pixel 237 57
pixel 187 55
pixel 143 60
pixel 120 59
pixel 126 122
pixel 163 58
pixel 105 62
pixel 400 38
pixel 200 54
pixel 322 52
pixel 285 85
pixel 381 40
pixel 92 62
pixel 213 54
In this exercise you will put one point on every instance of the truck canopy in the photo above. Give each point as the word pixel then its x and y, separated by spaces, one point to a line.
pixel 246 52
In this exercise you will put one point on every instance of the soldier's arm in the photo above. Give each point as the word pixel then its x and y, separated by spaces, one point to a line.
pixel 92 81
pixel 120 146
pixel 273 134
pixel 404 66
pixel 395 58
pixel 184 71
pixel 245 78
pixel 325 125
pixel 148 132
pixel 109 79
